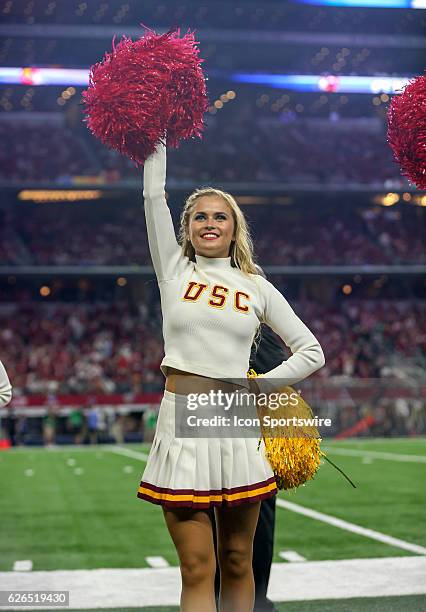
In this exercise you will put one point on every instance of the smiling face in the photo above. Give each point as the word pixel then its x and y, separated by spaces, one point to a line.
pixel 211 227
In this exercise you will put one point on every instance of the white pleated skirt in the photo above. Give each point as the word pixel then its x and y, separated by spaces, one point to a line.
pixel 203 472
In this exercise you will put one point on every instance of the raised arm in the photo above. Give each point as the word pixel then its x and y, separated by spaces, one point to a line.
pixel 5 387
pixel 166 254
pixel 307 354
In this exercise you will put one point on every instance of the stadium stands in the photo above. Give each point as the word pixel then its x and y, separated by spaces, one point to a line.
pixel 75 348
pixel 101 234
pixel 243 146
pixel 45 152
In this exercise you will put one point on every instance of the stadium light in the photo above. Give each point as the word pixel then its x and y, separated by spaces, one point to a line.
pixel 328 83
pixel 58 195
pixel 32 76
pixel 414 4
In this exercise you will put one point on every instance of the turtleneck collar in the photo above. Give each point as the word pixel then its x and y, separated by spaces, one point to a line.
pixel 213 262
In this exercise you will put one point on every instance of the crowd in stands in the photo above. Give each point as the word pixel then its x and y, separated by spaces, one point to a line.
pixel 287 151
pixel 403 241
pixel 96 234
pixel 351 236
pixel 114 347
pixel 370 338
pixel 45 152
pixel 85 235
pixel 373 235
pixel 80 348
pixel 239 146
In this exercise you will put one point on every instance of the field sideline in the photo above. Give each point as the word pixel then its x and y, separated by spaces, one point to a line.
pixel 76 509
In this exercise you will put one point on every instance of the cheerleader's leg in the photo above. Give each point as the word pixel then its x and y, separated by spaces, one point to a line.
pixel 236 526
pixel 192 535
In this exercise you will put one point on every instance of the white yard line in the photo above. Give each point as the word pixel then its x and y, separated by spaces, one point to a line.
pixel 348 578
pixel 374 454
pixel 23 566
pixel 352 527
pixel 127 452
pixel 291 555
pixel 157 562
pixel 133 588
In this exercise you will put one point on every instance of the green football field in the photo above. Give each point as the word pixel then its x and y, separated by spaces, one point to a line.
pixel 75 508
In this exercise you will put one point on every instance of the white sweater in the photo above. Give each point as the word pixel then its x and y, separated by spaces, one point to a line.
pixel 211 310
pixel 5 387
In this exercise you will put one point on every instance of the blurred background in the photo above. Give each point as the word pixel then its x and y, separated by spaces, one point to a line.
pixel 296 130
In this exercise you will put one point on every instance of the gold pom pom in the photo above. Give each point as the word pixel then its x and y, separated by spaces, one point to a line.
pixel 293 451
pixel 293 460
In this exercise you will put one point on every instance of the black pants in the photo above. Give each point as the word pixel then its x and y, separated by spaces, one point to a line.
pixel 263 547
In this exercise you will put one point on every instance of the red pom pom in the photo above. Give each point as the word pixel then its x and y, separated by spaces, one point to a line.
pixel 145 89
pixel 407 131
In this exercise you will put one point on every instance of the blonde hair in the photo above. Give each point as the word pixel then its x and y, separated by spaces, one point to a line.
pixel 242 256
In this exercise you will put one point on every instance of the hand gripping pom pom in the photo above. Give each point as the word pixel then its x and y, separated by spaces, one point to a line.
pixel 407 130
pixel 145 89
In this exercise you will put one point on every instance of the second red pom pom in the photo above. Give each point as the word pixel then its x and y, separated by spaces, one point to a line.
pixel 407 131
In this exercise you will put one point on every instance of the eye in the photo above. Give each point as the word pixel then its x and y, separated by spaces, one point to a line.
pixel 199 216
pixel 221 216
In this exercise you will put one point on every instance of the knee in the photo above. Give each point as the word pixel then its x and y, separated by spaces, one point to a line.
pixel 236 563
pixel 197 568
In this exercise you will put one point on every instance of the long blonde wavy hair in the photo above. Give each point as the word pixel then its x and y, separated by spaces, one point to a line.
pixel 242 256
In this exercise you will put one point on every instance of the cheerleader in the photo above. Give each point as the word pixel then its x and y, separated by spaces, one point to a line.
pixel 213 301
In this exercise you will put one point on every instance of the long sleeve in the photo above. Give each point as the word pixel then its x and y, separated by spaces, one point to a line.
pixel 307 354
pixel 5 387
pixel 167 257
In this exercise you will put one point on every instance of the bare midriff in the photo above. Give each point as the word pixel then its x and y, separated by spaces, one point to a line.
pixel 183 383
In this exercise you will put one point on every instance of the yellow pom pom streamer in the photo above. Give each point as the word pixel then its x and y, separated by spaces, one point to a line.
pixel 293 451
